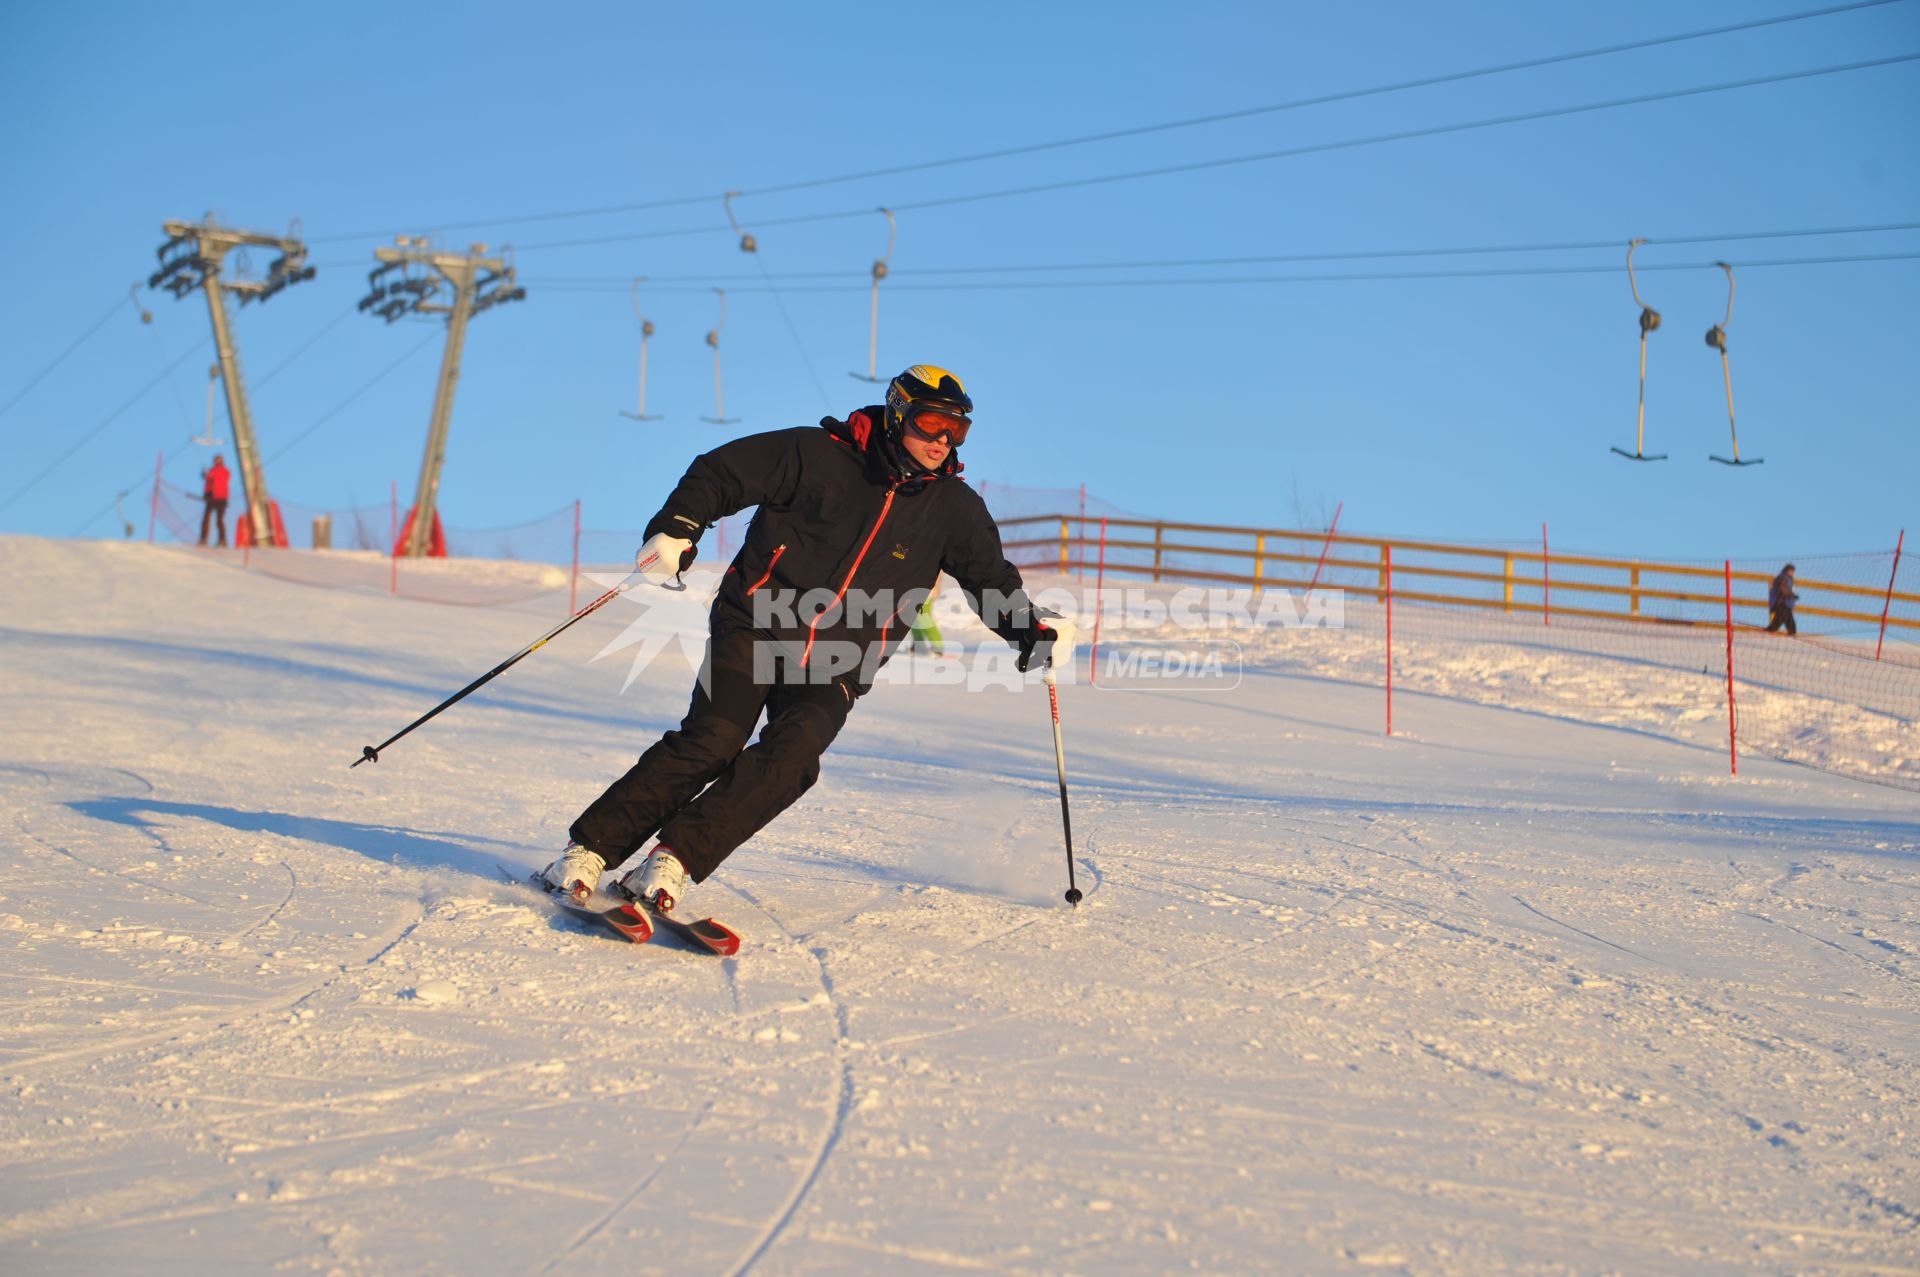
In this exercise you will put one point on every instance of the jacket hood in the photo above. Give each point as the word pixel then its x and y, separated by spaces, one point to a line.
pixel 887 462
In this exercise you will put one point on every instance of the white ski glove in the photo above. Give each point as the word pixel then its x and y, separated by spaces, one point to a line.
pixel 1065 633
pixel 659 560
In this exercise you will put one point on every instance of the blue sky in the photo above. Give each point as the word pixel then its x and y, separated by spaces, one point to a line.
pixel 1465 408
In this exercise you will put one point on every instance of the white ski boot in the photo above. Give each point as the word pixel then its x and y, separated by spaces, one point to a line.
pixel 660 882
pixel 576 873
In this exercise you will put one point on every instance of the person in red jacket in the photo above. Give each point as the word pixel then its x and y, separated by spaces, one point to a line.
pixel 217 480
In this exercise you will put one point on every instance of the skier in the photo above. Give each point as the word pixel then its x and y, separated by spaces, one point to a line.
pixel 215 481
pixel 866 512
pixel 1780 601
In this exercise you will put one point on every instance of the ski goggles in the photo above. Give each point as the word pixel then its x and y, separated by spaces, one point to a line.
pixel 937 423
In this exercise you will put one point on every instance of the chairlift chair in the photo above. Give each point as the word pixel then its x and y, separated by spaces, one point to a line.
pixel 1717 338
pixel 1649 320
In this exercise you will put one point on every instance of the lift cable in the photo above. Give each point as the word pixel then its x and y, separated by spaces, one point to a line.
pixel 1317 148
pixel 60 358
pixel 1344 277
pixel 1171 263
pixel 106 421
pixel 1140 130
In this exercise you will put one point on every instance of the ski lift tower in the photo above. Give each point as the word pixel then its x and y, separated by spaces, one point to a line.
pixel 194 257
pixel 409 278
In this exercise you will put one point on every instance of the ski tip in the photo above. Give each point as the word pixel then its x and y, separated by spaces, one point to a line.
pixel 718 938
pixel 630 922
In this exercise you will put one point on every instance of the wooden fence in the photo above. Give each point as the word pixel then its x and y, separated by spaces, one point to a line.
pixel 1507 580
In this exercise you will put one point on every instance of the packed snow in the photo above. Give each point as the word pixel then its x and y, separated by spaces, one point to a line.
pixel 1506 992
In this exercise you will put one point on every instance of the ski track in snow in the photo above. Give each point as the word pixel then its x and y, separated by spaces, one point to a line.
pixel 1513 992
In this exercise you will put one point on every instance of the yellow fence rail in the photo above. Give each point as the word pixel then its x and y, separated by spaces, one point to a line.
pixel 1508 580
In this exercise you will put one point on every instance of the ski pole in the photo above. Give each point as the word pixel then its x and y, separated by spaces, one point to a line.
pixel 1060 761
pixel 371 753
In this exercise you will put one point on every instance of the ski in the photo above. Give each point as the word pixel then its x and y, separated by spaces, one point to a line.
pixel 635 922
pixel 624 921
pixel 708 935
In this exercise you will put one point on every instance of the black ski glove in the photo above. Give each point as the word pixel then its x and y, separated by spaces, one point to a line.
pixel 1035 639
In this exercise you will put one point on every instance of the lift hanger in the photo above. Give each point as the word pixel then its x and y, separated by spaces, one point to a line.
pixel 1649 320
pixel 205 438
pixel 646 330
pixel 713 340
pixel 873 322
pixel 1717 338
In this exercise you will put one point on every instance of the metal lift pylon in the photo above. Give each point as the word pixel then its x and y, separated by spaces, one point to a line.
pixel 479 283
pixel 1717 338
pixel 193 258
pixel 1649 321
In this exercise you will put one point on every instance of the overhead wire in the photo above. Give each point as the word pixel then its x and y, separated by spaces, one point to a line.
pixel 1140 130
pixel 1405 135
pixel 173 387
pixel 289 445
pixel 608 281
pixel 106 421
pixel 61 358
pixel 169 458
pixel 1343 277
pixel 307 345
pixel 1293 152
pixel 342 406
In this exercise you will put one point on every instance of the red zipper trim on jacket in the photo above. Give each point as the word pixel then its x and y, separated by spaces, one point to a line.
pixel 846 584
pixel 769 572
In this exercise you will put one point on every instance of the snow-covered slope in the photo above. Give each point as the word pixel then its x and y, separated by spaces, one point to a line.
pixel 1515 994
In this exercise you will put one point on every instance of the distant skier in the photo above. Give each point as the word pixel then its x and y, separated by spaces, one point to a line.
pixel 1780 601
pixel 216 482
pixel 859 516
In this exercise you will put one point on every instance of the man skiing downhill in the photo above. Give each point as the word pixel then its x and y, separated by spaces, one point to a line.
pixel 856 521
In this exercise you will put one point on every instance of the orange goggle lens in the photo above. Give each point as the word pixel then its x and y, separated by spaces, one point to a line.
pixel 937 425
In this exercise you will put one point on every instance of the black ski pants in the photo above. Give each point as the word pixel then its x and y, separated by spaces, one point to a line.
pixel 216 509
pixel 702 788
pixel 1782 616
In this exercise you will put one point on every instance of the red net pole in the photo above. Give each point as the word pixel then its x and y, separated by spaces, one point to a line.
pixel 1884 608
pixel 573 590
pixel 393 536
pixel 160 459
pixel 1386 572
pixel 1733 748
pixel 1328 545
pixel 1082 573
pixel 1099 604
pixel 1546 579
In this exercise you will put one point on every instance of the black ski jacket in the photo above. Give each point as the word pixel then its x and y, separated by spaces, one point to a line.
pixel 848 538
